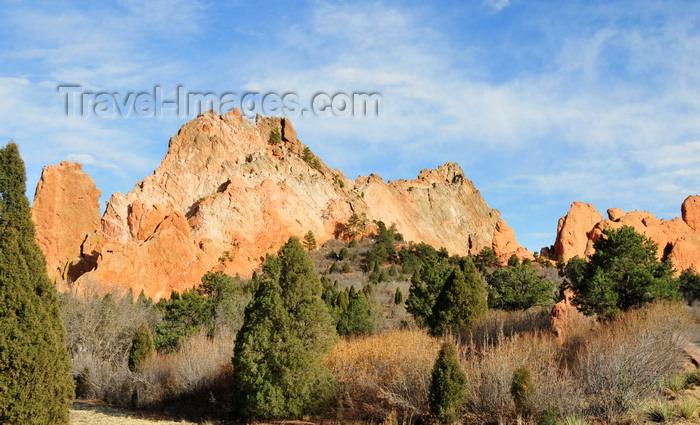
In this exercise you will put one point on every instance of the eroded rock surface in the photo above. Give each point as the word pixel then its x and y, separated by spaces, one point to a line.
pixel 677 239
pixel 230 191
pixel 66 209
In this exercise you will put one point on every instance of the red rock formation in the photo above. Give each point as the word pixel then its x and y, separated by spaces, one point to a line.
pixel 572 231
pixel 690 211
pixel 65 210
pixel 677 238
pixel 227 193
pixel 504 244
pixel 565 317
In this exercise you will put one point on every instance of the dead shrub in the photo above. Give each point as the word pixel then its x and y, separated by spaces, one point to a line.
pixel 387 375
pixel 199 364
pixel 499 324
pixel 99 333
pixel 623 362
pixel 491 370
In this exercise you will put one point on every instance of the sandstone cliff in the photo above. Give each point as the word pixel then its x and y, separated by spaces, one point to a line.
pixel 229 191
pixel 678 238
pixel 65 211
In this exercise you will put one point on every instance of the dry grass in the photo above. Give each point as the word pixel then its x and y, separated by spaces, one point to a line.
pixel 500 324
pixel 200 364
pixel 623 362
pixel 386 375
pixel 490 373
pixel 84 413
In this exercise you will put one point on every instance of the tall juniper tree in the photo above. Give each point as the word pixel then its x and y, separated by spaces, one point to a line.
pixel 35 382
pixel 462 301
pixel 278 356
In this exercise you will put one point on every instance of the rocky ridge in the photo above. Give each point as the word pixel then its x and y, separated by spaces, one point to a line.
pixel 677 239
pixel 228 192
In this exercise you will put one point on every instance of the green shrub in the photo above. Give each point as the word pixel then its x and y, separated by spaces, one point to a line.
pixel 522 388
pixel 333 268
pixel 675 383
pixel 346 268
pixel 141 347
pixel 448 386
pixel 549 417
pixel 343 254
pixel 692 378
pixel 83 384
pixel 688 407
pixel 311 159
pixel 659 411
pixel 486 258
pixel 574 420
pixel 519 287
pixel 690 285
pixel 398 297
pixel 623 272
pixel 356 317
pixel 275 137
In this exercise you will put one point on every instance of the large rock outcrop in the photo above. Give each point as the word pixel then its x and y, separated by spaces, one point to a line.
pixel 229 191
pixel 66 210
pixel 504 244
pixel 678 239
pixel 573 231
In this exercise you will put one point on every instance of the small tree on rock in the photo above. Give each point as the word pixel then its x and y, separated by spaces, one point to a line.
pixel 310 241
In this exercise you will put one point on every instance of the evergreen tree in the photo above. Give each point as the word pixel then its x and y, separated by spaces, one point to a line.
pixel 183 315
pixel 448 386
pixel 427 280
pixel 518 288
pixel 393 271
pixel 486 258
pixel 462 300
pixel 513 261
pixel 141 347
pixel 35 382
pixel 522 388
pixel 310 241
pixel 222 294
pixel 690 285
pixel 278 367
pixel 398 297
pixel 356 318
pixel 622 273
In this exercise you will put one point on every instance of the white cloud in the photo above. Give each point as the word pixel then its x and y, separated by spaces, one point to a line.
pixel 497 5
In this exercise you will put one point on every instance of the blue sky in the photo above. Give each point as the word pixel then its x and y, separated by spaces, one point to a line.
pixel 542 102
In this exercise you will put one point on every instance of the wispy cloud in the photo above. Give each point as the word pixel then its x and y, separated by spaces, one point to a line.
pixel 497 5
